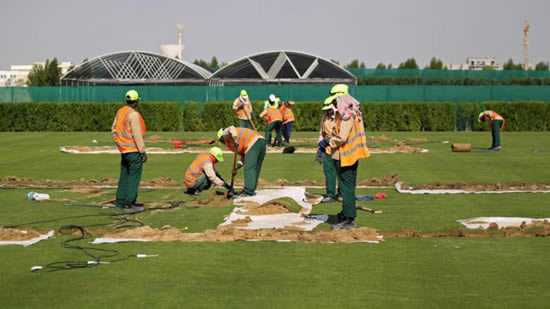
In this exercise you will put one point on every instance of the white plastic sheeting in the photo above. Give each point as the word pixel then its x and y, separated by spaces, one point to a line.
pixel 484 222
pixel 107 240
pixel 28 242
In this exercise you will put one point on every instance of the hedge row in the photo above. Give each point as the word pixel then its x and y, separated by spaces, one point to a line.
pixel 452 81
pixel 84 116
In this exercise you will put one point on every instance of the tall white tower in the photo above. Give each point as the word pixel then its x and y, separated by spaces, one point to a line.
pixel 526 46
pixel 180 32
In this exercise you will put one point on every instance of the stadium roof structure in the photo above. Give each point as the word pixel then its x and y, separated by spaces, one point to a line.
pixel 135 68
pixel 282 67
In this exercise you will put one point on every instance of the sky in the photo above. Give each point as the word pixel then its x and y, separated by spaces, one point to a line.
pixel 387 31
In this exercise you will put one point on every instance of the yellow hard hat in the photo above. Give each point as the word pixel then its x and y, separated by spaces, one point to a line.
pixel 220 133
pixel 132 95
pixel 218 153
pixel 244 94
pixel 337 91
pixel 479 117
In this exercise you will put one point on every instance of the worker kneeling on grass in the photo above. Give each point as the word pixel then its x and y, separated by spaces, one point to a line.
pixel 349 138
pixel 201 174
pixel 128 130
pixel 250 145
pixel 497 123
pixel 274 120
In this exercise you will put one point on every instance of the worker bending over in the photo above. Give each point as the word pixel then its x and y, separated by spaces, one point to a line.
pixel 244 110
pixel 250 145
pixel 348 137
pixel 497 123
pixel 288 120
pixel 201 174
pixel 274 120
pixel 128 130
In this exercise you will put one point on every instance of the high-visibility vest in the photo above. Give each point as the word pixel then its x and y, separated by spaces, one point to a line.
pixel 241 114
pixel 197 166
pixel 355 147
pixel 244 136
pixel 494 116
pixel 287 113
pixel 273 114
pixel 124 138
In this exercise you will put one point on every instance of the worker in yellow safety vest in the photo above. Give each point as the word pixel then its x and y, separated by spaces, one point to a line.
pixel 201 174
pixel 497 123
pixel 348 144
pixel 128 130
pixel 250 145
pixel 288 119
pixel 274 120
pixel 244 110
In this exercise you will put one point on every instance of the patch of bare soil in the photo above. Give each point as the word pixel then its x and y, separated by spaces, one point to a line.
pixel 212 201
pixel 270 208
pixel 241 222
pixel 157 139
pixel 402 148
pixel 477 187
pixel 388 180
pixel 383 139
pixel 83 189
pixel 17 234
pixel 415 140
pixel 225 234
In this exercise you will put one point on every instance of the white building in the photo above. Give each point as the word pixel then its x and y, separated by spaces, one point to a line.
pixel 477 63
pixel 18 74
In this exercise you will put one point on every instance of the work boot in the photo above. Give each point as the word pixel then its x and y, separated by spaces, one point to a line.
pixel 328 199
pixel 340 199
pixel 346 224
pixel 243 195
pixel 496 148
pixel 131 209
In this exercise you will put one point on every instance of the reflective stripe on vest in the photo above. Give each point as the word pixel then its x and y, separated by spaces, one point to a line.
pixel 123 132
pixel 195 169
pixel 241 113
pixel 273 114
pixel 355 147
pixel 244 136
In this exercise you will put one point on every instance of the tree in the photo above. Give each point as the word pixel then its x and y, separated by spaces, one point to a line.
pixel 409 64
pixel 380 66
pixel 202 63
pixel 435 64
pixel 214 62
pixel 47 75
pixel 510 65
pixel 542 66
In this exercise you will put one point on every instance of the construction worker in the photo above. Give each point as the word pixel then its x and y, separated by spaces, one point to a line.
pixel 250 145
pixel 497 123
pixel 201 174
pixel 288 120
pixel 128 130
pixel 274 120
pixel 244 110
pixel 349 138
pixel 327 127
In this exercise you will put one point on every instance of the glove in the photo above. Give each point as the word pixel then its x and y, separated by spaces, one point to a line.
pixel 319 156
pixel 239 164
pixel 228 187
pixel 240 107
pixel 143 156
pixel 323 144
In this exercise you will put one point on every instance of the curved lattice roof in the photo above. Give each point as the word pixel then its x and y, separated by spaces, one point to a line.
pixel 135 67
pixel 282 67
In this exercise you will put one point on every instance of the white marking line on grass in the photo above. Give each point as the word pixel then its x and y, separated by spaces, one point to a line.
pixel 108 240
pixel 484 222
pixel 26 243
pixel 456 191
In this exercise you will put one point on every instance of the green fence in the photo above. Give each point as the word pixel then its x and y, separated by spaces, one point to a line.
pixel 450 74
pixel 285 92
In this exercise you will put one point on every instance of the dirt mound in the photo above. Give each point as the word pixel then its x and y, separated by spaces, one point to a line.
pixel 17 234
pixel 415 140
pixel 383 139
pixel 402 148
pixel 539 229
pixel 271 208
pixel 241 222
pixel 477 187
pixel 388 180
pixel 225 234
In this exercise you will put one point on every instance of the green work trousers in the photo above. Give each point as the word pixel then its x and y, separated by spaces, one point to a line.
pixel 131 167
pixel 202 183
pixel 495 132
pixel 330 175
pixel 347 180
pixel 244 124
pixel 253 161
pixel 275 125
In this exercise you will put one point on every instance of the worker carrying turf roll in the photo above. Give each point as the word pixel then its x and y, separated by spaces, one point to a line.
pixel 244 110
pixel 288 119
pixel 274 120
pixel 250 145
pixel 349 139
pixel 128 130
pixel 497 123
pixel 201 174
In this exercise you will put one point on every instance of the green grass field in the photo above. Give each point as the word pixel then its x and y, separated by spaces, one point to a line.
pixel 399 272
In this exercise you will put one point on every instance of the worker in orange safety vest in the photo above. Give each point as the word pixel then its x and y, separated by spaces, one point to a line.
pixel 497 123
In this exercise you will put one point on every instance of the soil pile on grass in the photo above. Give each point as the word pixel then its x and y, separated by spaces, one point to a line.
pixel 17 234
pixel 383 139
pixel 536 229
pixel 388 180
pixel 402 148
pixel 478 187
pixel 225 234
pixel 241 222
